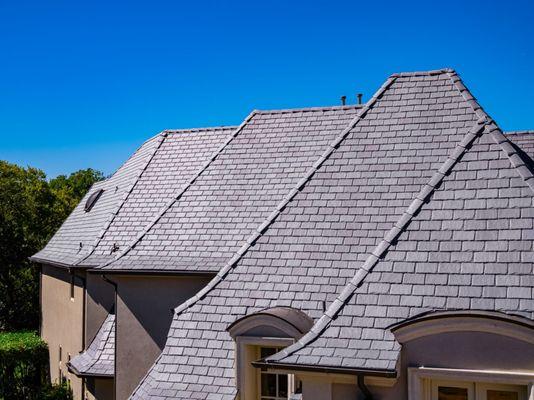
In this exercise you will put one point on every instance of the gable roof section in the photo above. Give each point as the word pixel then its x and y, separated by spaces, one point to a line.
pixel 212 215
pixel 465 243
pixel 178 158
pixel 130 196
pixel 76 236
pixel 305 252
pixel 99 358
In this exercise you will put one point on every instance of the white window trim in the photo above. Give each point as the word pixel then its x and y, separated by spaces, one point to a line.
pixel 242 341
pixel 290 377
pixel 420 377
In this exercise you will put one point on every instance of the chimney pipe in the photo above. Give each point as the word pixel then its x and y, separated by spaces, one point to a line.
pixel 359 95
pixel 343 100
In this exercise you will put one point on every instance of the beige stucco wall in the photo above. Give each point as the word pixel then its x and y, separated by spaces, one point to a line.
pixel 100 301
pixel 62 321
pixel 143 318
pixel 456 350
pixel 99 389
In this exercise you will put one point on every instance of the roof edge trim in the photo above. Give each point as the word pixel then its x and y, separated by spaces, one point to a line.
pixel 386 373
pixel 433 315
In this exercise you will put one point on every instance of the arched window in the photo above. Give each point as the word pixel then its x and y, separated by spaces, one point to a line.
pixel 260 335
pixel 468 355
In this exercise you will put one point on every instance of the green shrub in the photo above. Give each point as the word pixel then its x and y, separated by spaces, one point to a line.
pixel 56 392
pixel 23 366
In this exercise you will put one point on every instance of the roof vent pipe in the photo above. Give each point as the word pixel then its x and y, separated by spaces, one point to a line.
pixel 359 96
pixel 343 100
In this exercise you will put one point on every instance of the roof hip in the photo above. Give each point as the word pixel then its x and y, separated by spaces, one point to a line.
pixel 484 125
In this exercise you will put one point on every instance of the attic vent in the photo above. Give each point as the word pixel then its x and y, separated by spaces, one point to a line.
pixel 93 199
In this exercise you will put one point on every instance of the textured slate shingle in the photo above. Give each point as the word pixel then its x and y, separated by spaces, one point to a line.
pixel 131 196
pixel 375 185
pixel 212 217
pixel 75 238
pixel 463 250
pixel 99 358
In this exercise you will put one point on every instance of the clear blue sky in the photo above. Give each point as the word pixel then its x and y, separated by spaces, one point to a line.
pixel 82 84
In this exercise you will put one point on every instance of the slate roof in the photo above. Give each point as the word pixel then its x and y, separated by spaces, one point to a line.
pixel 468 245
pixel 99 358
pixel 131 195
pixel 316 240
pixel 523 139
pixel 211 216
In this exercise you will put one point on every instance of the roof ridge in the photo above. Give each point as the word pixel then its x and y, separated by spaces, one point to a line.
pixel 285 201
pixel 111 217
pixel 310 109
pixel 202 129
pixel 184 188
pixel 520 132
pixel 423 73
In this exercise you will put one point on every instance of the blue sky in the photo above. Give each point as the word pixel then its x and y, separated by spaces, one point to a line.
pixel 82 84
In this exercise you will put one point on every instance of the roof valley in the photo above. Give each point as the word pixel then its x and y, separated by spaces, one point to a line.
pixel 287 199
pixel 484 125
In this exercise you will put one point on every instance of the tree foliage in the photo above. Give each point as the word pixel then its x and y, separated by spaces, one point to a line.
pixel 31 210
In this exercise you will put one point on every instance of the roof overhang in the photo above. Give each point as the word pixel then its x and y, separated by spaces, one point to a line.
pixel 58 264
pixel 73 370
pixel 384 373
pixel 148 272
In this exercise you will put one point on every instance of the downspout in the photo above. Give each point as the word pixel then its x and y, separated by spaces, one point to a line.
pixel 114 284
pixel 363 388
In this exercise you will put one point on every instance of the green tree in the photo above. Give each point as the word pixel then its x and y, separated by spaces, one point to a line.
pixel 31 210
pixel 69 190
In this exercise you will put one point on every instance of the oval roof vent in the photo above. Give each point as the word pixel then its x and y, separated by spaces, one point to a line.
pixel 93 198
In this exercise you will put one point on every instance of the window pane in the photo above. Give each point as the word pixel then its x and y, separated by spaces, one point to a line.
pixel 282 385
pixel 267 351
pixel 452 393
pixel 501 395
pixel 268 385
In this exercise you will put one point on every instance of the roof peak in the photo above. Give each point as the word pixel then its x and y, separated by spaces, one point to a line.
pixel 201 129
pixel 423 73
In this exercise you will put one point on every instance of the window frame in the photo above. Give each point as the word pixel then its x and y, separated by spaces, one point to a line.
pixel 436 383
pixel 244 343
pixel 420 380
pixel 260 372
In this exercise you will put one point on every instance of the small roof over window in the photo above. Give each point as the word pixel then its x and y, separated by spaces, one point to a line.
pixel 286 320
